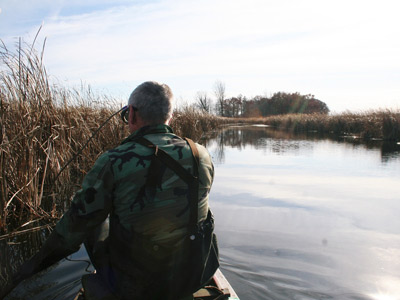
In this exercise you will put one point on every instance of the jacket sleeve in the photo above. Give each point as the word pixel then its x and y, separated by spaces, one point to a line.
pixel 90 207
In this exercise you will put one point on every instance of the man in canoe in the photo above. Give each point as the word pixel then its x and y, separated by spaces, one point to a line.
pixel 142 211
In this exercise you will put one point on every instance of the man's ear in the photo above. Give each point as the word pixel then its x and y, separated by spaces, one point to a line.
pixel 169 120
pixel 132 116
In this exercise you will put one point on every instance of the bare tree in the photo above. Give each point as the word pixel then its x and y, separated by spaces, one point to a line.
pixel 219 91
pixel 203 101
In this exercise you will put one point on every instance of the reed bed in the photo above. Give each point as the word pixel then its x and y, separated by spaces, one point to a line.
pixel 190 122
pixel 44 127
pixel 374 124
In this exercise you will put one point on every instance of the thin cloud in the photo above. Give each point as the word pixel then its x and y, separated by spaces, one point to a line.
pixel 309 46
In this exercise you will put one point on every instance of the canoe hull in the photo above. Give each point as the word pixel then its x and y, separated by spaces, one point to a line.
pixel 217 288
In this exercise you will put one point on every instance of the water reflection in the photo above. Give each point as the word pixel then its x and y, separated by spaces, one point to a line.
pixel 279 141
pixel 60 281
pixel 305 216
pixel 390 151
pixel 15 250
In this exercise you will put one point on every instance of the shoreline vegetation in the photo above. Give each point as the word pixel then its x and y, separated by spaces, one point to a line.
pixel 44 126
pixel 381 124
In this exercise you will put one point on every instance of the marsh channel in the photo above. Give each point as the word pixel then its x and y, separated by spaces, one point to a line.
pixel 297 217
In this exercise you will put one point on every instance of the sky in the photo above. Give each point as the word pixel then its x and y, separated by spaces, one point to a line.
pixel 344 52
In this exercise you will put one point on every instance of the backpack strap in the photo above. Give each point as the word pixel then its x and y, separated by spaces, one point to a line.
pixel 194 189
pixel 191 180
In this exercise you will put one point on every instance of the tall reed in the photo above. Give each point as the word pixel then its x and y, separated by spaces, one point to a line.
pixel 42 127
pixel 194 123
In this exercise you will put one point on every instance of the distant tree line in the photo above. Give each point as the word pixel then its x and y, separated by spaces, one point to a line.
pixel 279 103
pixel 283 103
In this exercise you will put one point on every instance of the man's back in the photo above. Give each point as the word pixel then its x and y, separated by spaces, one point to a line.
pixel 153 223
pixel 148 226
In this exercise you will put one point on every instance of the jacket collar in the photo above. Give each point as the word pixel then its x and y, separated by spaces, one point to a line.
pixel 152 129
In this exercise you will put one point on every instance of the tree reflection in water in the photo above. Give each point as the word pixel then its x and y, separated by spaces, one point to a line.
pixel 280 141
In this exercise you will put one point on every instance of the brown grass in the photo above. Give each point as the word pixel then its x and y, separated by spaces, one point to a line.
pixel 193 123
pixel 379 124
pixel 43 126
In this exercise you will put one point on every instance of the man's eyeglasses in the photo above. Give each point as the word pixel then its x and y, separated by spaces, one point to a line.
pixel 125 113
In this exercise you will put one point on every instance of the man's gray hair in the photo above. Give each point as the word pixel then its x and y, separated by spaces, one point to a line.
pixel 153 101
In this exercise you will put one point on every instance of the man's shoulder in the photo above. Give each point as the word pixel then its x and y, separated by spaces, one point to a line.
pixel 170 142
pixel 201 148
pixel 204 155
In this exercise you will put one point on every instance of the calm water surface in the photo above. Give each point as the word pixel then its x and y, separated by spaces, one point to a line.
pixel 296 217
pixel 305 218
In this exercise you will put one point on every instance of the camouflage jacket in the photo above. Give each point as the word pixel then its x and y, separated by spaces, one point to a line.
pixel 146 229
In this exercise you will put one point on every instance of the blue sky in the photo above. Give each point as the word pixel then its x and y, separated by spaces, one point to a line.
pixel 345 52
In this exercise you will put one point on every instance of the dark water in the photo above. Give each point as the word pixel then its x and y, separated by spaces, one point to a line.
pixel 297 217
pixel 61 281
